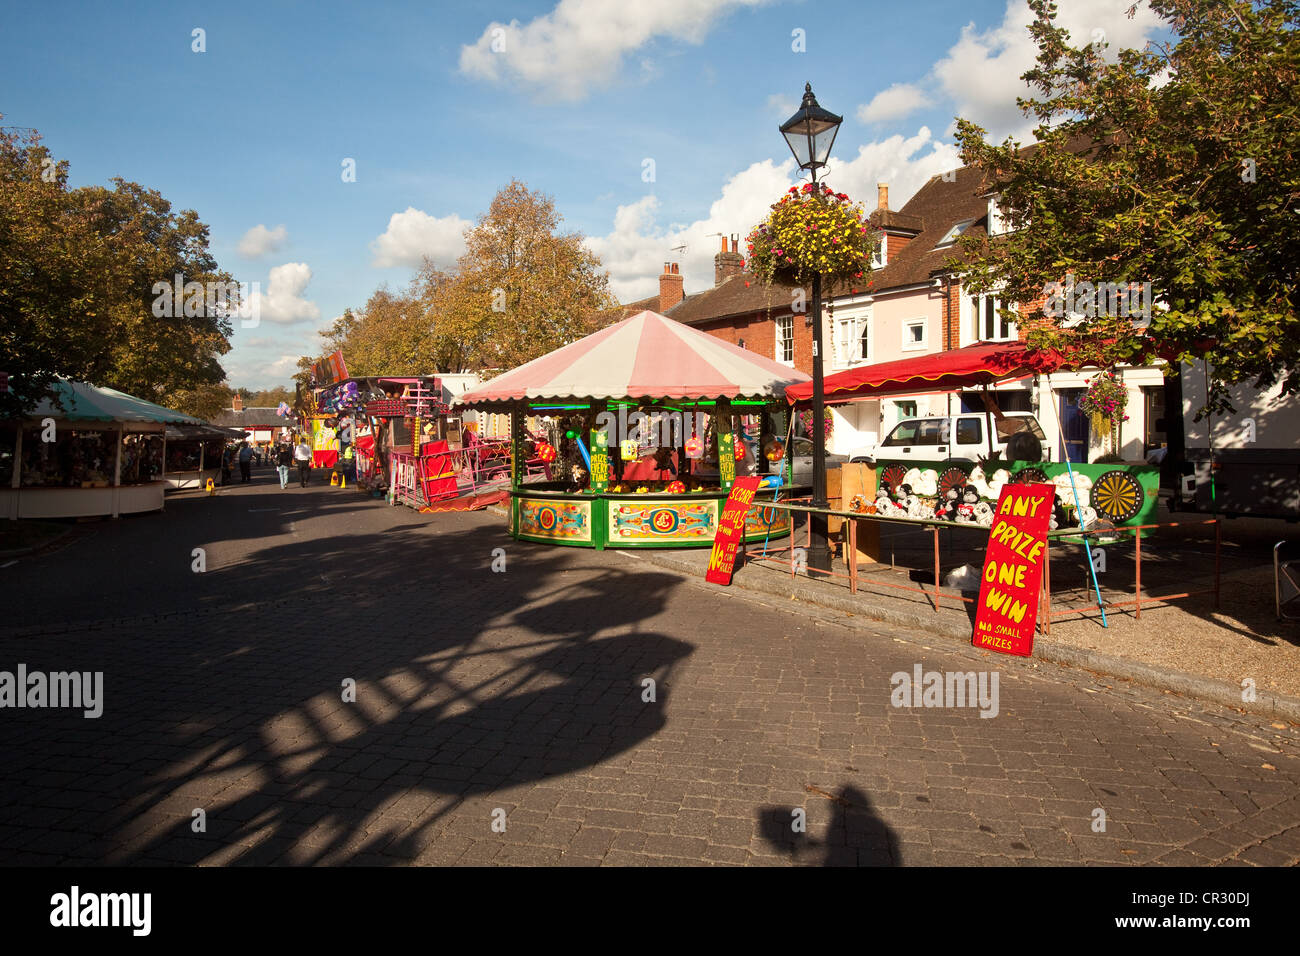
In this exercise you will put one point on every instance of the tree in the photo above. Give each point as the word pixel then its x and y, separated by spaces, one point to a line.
pixel 78 270
pixel 206 401
pixel 1177 165
pixel 522 288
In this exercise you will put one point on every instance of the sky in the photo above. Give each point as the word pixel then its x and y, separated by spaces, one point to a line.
pixel 331 145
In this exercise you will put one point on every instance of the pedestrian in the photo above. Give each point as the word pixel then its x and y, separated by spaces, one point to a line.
pixel 302 455
pixel 284 460
pixel 245 462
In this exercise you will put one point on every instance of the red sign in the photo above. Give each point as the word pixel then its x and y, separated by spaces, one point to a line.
pixel 731 528
pixel 329 370
pixel 1013 569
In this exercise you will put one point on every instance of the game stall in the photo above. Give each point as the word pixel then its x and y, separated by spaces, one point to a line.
pixel 193 454
pixel 644 426
pixel 88 451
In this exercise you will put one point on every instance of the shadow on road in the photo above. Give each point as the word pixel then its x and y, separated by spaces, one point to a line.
pixel 855 837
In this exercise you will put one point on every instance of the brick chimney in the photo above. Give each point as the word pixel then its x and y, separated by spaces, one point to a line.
pixel 237 403
pixel 670 287
pixel 882 195
pixel 727 264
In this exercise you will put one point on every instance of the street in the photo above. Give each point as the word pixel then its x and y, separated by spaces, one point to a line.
pixel 570 707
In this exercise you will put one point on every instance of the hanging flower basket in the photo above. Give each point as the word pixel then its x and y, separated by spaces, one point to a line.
pixel 1104 402
pixel 810 231
pixel 828 423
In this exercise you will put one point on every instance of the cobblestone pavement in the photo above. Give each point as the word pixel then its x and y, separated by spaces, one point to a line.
pixel 519 695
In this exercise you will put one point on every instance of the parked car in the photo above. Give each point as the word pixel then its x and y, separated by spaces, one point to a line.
pixel 1017 436
pixel 801 450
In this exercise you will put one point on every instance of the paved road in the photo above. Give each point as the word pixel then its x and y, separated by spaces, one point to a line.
pixel 519 695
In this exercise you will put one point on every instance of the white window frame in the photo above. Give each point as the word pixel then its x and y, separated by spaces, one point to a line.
pixel 860 320
pixel 881 258
pixel 976 320
pixel 784 322
pixel 911 346
pixel 997 223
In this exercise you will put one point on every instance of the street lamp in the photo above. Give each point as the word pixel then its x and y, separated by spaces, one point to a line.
pixel 810 133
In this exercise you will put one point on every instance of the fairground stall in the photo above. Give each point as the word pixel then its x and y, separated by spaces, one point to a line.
pixel 193 454
pixel 89 451
pixel 1092 495
pixel 646 425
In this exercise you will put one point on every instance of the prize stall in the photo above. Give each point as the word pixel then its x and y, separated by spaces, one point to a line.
pixel 644 427
pixel 89 451
pixel 194 454
pixel 1087 495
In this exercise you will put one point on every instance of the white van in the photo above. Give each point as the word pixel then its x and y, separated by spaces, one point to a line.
pixel 966 437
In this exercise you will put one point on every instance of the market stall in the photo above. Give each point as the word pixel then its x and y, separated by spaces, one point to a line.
pixel 193 454
pixel 88 451
pixel 647 423
pixel 1119 494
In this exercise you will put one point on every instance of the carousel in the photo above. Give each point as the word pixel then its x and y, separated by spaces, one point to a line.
pixel 643 425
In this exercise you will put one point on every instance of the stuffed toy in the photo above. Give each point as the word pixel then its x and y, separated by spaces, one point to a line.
pixel 966 509
pixel 947 508
pixel 984 514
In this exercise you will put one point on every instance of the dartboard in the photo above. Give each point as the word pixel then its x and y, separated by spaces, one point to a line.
pixel 952 478
pixel 893 476
pixel 1117 496
pixel 1029 476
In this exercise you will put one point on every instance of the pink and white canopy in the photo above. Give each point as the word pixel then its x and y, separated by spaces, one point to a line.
pixel 647 356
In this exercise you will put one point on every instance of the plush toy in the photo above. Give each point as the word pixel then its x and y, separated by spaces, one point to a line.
pixel 969 499
pixel 884 506
pixel 858 503
pixel 1000 478
pixel 947 509
pixel 980 481
pixel 1087 517
pixel 984 514
pixel 676 487
pixel 927 484
pixel 1060 517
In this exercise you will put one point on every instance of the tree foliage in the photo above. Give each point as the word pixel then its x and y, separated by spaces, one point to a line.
pixel 521 289
pixel 77 275
pixel 1177 165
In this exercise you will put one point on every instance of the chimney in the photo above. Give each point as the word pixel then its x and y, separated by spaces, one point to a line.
pixel 236 403
pixel 670 287
pixel 882 195
pixel 727 264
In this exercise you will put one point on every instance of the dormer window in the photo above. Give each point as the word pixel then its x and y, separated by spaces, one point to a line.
pixel 881 255
pixel 954 233
pixel 997 221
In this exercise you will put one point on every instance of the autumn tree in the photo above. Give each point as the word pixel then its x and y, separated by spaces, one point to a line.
pixel 1177 165
pixel 78 269
pixel 522 287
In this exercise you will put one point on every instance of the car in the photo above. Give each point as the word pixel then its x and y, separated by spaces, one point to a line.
pixel 801 451
pixel 965 437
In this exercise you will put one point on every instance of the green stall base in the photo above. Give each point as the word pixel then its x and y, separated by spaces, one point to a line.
pixel 634 521
pixel 1147 477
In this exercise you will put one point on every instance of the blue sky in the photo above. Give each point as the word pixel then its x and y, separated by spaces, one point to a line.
pixel 253 132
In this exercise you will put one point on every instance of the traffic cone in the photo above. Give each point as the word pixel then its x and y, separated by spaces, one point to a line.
pixel 334 480
pixel 343 481
pixel 212 489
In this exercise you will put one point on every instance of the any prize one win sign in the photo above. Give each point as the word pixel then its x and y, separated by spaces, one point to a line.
pixel 1013 569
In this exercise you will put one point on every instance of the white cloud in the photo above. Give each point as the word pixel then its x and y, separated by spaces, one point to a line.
pixel 635 250
pixel 412 235
pixel 260 241
pixel 894 103
pixel 582 43
pixel 981 72
pixel 781 105
pixel 282 303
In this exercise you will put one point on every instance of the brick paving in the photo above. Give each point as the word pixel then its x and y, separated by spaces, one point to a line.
pixel 518 696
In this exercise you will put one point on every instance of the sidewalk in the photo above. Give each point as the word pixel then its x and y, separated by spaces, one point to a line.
pixel 1184 646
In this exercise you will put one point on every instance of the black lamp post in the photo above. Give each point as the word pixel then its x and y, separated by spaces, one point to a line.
pixel 810 134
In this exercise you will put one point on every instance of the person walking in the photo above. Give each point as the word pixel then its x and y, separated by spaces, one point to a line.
pixel 245 462
pixel 302 455
pixel 283 461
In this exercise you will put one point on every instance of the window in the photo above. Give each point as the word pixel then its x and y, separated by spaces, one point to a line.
pixel 953 234
pixel 997 222
pixel 881 256
pixel 905 410
pixel 990 324
pixel 914 337
pixel 852 341
pixel 969 431
pixel 903 434
pixel 785 339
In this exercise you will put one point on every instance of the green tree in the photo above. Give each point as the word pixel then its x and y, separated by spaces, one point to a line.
pixel 78 270
pixel 1177 165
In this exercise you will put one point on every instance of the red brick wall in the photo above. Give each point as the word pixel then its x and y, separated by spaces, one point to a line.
pixel 895 245
pixel 759 332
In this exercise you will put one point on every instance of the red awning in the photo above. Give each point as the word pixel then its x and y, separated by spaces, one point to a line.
pixel 981 364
